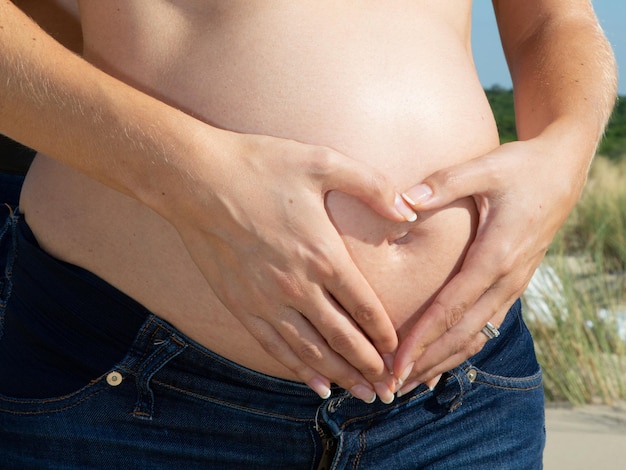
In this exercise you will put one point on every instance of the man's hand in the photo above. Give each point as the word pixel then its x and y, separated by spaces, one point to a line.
pixel 523 195
pixel 260 234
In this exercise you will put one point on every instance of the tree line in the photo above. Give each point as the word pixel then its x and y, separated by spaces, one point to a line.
pixel 613 144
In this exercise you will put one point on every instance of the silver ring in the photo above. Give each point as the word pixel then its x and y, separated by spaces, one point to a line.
pixel 490 331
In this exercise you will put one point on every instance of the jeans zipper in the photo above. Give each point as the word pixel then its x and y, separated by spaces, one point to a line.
pixel 329 447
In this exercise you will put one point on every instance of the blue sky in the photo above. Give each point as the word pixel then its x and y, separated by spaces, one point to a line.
pixel 488 53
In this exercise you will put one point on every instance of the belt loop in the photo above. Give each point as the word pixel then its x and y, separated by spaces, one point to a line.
pixel 450 393
pixel 165 350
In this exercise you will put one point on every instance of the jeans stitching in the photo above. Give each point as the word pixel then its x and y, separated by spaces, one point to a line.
pixel 6 284
pixel 396 404
pixel 314 440
pixel 164 353
pixel 362 446
pixel 530 382
pixel 535 386
pixel 231 404
pixel 50 401
pixel 338 453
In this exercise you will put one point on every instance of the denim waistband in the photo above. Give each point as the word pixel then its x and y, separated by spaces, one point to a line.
pixel 162 397
pixel 62 325
pixel 66 327
pixel 202 375
pixel 82 322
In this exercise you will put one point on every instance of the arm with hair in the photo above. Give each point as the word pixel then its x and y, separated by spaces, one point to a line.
pixel 291 274
pixel 564 79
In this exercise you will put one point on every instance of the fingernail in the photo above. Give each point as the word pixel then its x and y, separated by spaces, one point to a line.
pixel 417 194
pixel 384 393
pixel 388 360
pixel 404 210
pixel 319 387
pixel 407 370
pixel 363 393
pixel 432 383
pixel 408 388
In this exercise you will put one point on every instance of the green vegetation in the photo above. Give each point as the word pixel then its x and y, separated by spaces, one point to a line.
pixel 579 347
pixel 613 145
pixel 579 344
pixel 576 305
pixel 501 101
pixel 597 227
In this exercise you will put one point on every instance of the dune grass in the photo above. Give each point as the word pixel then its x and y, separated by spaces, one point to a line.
pixel 598 224
pixel 573 306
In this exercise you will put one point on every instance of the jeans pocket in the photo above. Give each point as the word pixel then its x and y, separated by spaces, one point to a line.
pixel 50 405
pixel 508 361
pixel 529 382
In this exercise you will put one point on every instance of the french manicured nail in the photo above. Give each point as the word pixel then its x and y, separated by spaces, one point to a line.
pixel 408 388
pixel 405 373
pixel 363 393
pixel 417 194
pixel 319 387
pixel 404 210
pixel 384 393
pixel 432 383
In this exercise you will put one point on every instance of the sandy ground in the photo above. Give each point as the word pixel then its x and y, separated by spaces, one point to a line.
pixel 585 438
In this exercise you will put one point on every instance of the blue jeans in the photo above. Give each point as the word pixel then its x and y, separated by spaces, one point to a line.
pixel 10 187
pixel 168 402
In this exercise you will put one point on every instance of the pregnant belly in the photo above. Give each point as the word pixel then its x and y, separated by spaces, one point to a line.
pixel 386 97
pixel 405 263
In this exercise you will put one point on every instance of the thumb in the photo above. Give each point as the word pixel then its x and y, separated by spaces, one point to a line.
pixel 471 178
pixel 370 186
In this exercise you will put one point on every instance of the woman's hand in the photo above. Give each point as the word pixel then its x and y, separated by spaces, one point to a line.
pixel 524 193
pixel 260 234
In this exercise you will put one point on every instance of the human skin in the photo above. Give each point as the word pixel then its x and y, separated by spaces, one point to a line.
pixel 360 116
pixel 142 147
pixel 76 223
pixel 316 94
pixel 59 18
pixel 565 84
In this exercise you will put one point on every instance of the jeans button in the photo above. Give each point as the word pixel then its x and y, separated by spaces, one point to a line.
pixel 114 378
pixel 471 375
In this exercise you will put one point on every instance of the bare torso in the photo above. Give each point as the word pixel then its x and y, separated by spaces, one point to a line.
pixel 391 84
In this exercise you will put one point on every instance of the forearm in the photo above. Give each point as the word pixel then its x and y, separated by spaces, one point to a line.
pixel 55 102
pixel 563 71
pixel 564 78
pixel 237 201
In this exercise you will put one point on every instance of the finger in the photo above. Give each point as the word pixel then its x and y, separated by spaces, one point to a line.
pixel 354 294
pixel 448 308
pixel 344 338
pixel 464 340
pixel 276 345
pixel 369 185
pixel 310 348
pixel 360 351
pixel 413 384
pixel 348 314
pixel 432 383
pixel 291 339
pixel 477 176
pixel 473 344
pixel 492 276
